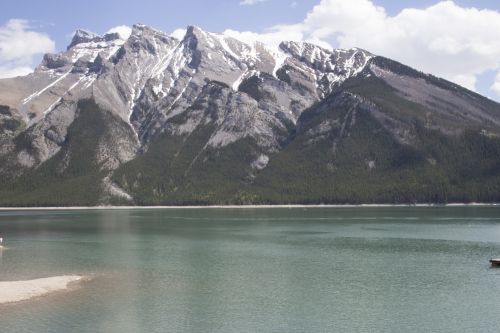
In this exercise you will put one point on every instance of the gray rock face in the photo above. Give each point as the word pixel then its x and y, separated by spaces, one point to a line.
pixel 234 115
pixel 82 36
pixel 53 61
pixel 85 37
pixel 47 136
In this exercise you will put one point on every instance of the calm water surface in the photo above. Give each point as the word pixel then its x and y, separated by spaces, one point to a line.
pixel 257 270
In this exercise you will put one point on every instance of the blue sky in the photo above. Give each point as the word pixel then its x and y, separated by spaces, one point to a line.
pixel 58 19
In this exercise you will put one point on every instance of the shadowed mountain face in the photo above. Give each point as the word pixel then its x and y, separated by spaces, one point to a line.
pixel 212 120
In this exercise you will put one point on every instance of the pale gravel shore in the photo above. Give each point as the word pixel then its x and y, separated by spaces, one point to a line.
pixel 251 206
pixel 16 291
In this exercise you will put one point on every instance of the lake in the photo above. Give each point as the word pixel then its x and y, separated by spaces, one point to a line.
pixel 357 269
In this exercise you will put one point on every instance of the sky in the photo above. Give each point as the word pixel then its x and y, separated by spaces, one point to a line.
pixel 458 40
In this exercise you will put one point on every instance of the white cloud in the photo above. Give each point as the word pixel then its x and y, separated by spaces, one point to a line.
pixel 18 47
pixel 496 86
pixel 272 37
pixel 6 71
pixel 178 33
pixel 445 39
pixel 123 30
pixel 250 2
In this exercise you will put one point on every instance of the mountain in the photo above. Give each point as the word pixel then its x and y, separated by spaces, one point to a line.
pixel 209 119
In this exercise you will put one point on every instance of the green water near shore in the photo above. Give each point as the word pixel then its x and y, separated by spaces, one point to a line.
pixel 386 269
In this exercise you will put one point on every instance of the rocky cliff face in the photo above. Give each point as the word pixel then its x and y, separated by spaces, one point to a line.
pixel 183 116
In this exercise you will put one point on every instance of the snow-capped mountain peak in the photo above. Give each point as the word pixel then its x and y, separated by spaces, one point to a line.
pixel 150 77
pixel 150 55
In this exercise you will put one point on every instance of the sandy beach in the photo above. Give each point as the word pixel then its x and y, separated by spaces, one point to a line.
pixel 16 291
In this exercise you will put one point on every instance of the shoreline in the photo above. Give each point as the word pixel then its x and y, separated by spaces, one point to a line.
pixel 18 291
pixel 251 206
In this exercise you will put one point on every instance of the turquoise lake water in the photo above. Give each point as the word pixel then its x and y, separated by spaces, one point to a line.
pixel 387 269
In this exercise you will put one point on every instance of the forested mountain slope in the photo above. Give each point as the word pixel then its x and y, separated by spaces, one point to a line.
pixel 152 120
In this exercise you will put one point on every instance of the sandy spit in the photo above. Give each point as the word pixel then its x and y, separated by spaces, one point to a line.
pixel 16 291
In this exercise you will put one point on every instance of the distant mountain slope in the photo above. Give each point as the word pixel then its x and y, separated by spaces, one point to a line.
pixel 211 120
